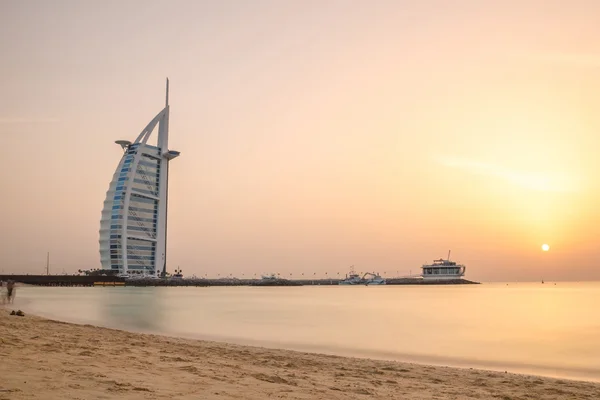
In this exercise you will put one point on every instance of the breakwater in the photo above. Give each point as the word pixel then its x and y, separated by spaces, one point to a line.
pixel 90 280
pixel 62 280
pixel 284 282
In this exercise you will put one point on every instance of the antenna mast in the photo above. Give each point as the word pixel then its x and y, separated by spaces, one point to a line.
pixel 167 96
pixel 449 254
pixel 48 264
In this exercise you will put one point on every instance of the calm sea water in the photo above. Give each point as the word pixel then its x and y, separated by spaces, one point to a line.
pixel 541 329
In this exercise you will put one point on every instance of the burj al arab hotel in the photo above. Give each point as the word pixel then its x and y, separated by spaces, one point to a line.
pixel 133 228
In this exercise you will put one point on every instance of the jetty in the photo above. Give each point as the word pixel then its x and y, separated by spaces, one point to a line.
pixel 111 281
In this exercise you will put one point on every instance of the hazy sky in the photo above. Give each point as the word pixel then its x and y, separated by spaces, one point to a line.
pixel 313 134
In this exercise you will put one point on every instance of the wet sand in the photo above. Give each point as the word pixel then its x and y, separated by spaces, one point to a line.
pixel 45 359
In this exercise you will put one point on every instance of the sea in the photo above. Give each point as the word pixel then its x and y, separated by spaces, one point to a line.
pixel 550 329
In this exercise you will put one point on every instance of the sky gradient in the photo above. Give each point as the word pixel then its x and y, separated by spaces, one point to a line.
pixel 314 135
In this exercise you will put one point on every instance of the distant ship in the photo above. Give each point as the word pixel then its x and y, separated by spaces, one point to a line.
pixel 443 270
pixel 177 274
pixel 269 277
pixel 375 279
pixel 354 279
pixel 351 279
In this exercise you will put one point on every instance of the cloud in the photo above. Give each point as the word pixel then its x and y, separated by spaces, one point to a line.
pixel 546 181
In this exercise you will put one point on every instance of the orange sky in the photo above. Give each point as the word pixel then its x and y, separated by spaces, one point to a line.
pixel 314 134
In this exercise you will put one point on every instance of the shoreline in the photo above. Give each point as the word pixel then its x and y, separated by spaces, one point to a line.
pixel 582 374
pixel 48 359
pixel 474 360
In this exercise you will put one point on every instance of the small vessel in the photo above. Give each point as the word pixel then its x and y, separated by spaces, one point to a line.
pixel 369 278
pixel 443 269
pixel 375 279
pixel 177 274
pixel 351 279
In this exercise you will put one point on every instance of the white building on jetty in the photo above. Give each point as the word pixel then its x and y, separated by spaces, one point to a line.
pixel 443 270
pixel 133 228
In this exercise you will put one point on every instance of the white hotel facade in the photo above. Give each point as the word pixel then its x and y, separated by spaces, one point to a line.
pixel 133 228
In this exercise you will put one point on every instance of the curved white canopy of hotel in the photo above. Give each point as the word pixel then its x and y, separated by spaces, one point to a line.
pixel 133 237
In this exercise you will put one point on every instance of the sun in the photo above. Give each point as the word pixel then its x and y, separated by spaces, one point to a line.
pixel 545 247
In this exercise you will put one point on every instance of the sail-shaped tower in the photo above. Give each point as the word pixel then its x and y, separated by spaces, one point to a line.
pixel 133 228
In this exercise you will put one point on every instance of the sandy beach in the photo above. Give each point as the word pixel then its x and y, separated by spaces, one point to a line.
pixel 45 359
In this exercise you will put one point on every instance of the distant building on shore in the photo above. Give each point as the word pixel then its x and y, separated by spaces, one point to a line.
pixel 133 227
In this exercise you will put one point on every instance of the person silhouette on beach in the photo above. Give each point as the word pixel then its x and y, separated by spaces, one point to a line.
pixel 10 288
pixel 3 294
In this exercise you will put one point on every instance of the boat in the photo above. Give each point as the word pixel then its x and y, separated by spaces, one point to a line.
pixel 369 278
pixel 351 279
pixel 177 274
pixel 375 279
pixel 443 269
